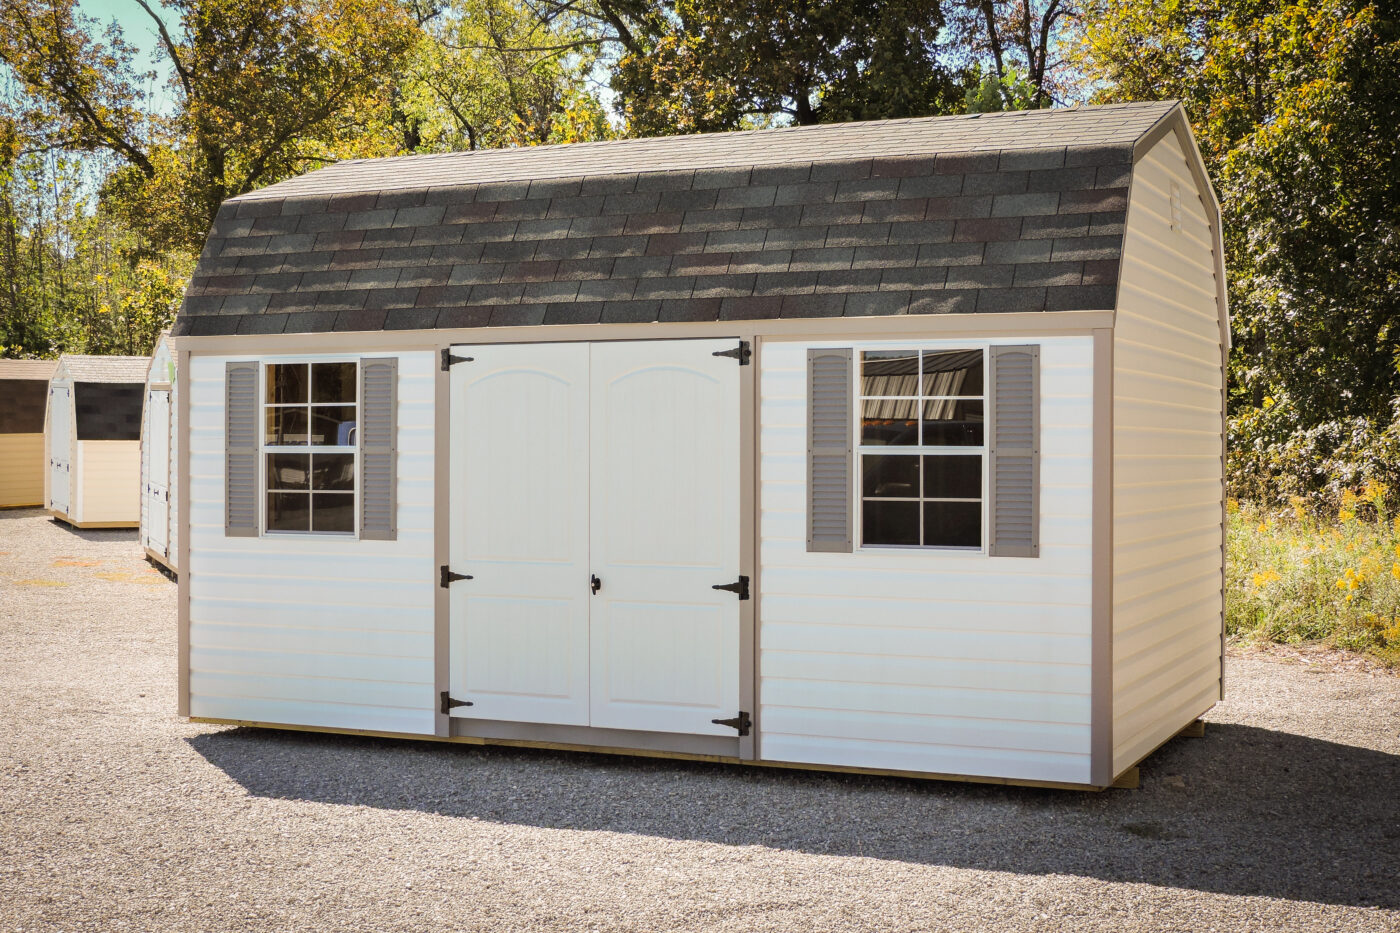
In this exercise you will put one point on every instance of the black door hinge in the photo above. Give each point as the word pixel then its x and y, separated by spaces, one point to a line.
pixel 743 353
pixel 448 577
pixel 742 723
pixel 595 584
pixel 740 586
pixel 448 359
pixel 449 704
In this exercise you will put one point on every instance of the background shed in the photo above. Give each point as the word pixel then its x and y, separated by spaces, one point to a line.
pixel 93 440
pixel 159 523
pixel 23 386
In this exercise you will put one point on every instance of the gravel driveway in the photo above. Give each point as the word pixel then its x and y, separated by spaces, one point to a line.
pixel 115 815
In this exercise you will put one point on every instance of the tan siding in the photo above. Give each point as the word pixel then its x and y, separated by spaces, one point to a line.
pixel 110 473
pixel 22 465
pixel 1167 599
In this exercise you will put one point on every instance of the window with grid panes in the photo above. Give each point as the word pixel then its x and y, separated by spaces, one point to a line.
pixel 922 442
pixel 309 446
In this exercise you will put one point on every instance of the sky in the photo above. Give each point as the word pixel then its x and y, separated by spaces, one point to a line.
pixel 140 31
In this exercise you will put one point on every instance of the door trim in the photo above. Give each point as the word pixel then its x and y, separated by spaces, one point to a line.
pixel 749 747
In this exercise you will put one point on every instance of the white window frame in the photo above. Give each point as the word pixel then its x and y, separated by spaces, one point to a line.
pixel 264 448
pixel 860 450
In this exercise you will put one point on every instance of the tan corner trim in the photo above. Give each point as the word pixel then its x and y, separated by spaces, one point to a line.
pixel 182 521
pixel 442 525
pixel 1030 324
pixel 646 753
pixel 748 543
pixel 1101 625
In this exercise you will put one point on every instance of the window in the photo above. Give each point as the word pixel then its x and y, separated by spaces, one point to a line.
pixel 309 446
pixel 922 443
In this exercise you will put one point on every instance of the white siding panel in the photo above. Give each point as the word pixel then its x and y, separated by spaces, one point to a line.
pixel 1167 599
pixel 313 630
pixel 936 661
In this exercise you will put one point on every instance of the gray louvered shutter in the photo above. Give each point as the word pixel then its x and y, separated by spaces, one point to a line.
pixel 1014 507
pixel 241 450
pixel 829 427
pixel 379 380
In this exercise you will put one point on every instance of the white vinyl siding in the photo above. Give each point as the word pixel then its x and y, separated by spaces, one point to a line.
pixel 923 659
pixel 313 630
pixel 1167 468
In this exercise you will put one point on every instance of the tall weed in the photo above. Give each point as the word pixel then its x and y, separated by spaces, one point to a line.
pixel 1296 576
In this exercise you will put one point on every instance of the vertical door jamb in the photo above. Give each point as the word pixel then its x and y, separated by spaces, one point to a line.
pixel 442 525
pixel 748 544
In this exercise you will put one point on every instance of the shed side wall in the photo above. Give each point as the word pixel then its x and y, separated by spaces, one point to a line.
pixel 926 660
pixel 108 474
pixel 1167 464
pixel 22 464
pixel 312 630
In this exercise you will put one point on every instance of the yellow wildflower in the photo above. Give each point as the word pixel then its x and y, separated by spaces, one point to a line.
pixel 1232 505
pixel 1395 570
pixel 1269 576
pixel 1299 510
pixel 1263 527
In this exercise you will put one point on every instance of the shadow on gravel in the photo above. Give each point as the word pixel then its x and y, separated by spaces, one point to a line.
pixel 87 534
pixel 1261 813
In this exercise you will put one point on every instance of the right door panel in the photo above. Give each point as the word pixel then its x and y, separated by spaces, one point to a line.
pixel 664 530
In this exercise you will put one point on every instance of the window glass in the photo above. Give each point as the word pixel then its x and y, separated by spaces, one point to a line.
pixel 953 372
pixel 952 422
pixel 311 406
pixel 922 440
pixel 287 383
pixel 288 511
pixel 884 522
pixel 333 383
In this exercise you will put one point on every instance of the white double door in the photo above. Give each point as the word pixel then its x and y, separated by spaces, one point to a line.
pixel 60 447
pixel 156 453
pixel 595 505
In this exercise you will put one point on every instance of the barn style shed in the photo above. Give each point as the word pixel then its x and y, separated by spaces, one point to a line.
pixel 889 446
pixel 93 440
pixel 24 384
pixel 159 533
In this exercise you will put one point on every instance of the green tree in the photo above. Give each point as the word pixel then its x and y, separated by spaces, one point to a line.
pixel 1295 105
pixel 491 73
pixel 263 91
pixel 715 64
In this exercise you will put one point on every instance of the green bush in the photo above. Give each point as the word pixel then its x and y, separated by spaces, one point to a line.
pixel 1295 576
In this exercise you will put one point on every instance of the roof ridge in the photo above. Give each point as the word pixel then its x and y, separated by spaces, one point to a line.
pixel 1078 127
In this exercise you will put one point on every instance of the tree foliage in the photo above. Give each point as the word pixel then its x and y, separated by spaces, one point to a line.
pixel 716 63
pixel 1295 106
pixel 263 91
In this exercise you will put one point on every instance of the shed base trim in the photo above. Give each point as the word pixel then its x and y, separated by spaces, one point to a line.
pixel 156 557
pixel 91 525
pixel 650 753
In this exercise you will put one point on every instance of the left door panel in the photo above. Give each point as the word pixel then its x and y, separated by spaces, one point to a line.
pixel 60 447
pixel 518 491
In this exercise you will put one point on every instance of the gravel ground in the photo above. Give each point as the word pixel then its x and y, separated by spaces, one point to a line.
pixel 116 815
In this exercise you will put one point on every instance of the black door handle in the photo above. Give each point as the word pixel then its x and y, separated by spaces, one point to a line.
pixel 596 584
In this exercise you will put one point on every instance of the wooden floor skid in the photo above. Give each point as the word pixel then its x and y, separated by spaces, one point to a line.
pixel 91 525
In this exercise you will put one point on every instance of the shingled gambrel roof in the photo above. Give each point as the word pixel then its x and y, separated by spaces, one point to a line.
pixel 108 369
pixel 996 212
